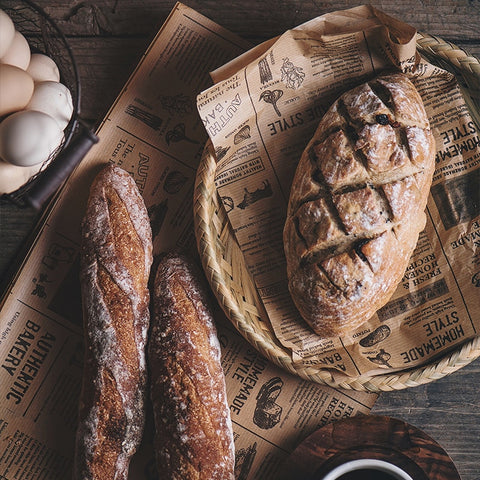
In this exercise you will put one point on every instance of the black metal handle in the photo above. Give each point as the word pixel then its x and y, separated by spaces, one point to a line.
pixel 60 168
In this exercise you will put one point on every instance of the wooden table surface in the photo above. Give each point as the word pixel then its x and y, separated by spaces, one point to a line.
pixel 108 38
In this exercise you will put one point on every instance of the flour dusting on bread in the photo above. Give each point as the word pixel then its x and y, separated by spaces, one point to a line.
pixel 194 436
pixel 116 256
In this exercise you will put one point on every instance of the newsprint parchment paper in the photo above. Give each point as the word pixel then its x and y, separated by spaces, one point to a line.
pixel 260 114
pixel 153 130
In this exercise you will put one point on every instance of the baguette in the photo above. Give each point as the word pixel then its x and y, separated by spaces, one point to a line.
pixel 357 204
pixel 116 256
pixel 194 438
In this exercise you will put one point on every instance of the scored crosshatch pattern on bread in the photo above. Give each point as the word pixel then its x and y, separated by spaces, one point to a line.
pixel 357 203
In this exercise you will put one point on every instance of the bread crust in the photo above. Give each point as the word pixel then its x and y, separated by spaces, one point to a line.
pixel 357 204
pixel 116 255
pixel 194 438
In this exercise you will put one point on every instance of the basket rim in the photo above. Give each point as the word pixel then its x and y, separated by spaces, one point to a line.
pixel 263 339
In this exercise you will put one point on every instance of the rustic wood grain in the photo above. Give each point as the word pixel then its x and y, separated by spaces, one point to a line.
pixel 108 38
pixel 254 19
pixel 448 410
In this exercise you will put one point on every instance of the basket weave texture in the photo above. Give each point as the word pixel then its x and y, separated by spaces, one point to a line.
pixel 234 288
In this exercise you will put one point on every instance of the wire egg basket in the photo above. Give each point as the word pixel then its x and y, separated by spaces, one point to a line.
pixel 44 36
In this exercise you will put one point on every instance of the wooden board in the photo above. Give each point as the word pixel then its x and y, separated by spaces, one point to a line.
pixel 108 37
pixel 374 437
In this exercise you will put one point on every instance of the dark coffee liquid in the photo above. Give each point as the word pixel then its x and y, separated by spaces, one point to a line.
pixel 367 474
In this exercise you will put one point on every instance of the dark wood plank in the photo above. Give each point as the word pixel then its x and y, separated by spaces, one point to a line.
pixel 108 38
pixel 15 226
pixel 258 19
pixel 448 410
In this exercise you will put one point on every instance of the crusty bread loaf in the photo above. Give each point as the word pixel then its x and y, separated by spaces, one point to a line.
pixel 193 438
pixel 116 257
pixel 357 204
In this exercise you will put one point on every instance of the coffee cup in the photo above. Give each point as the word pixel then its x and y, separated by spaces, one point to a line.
pixel 367 469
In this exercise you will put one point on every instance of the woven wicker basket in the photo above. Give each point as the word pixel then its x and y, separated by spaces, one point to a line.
pixel 234 288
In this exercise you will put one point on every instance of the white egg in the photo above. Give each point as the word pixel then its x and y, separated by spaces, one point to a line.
pixel 7 31
pixel 18 53
pixel 13 177
pixel 28 137
pixel 42 68
pixel 54 99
